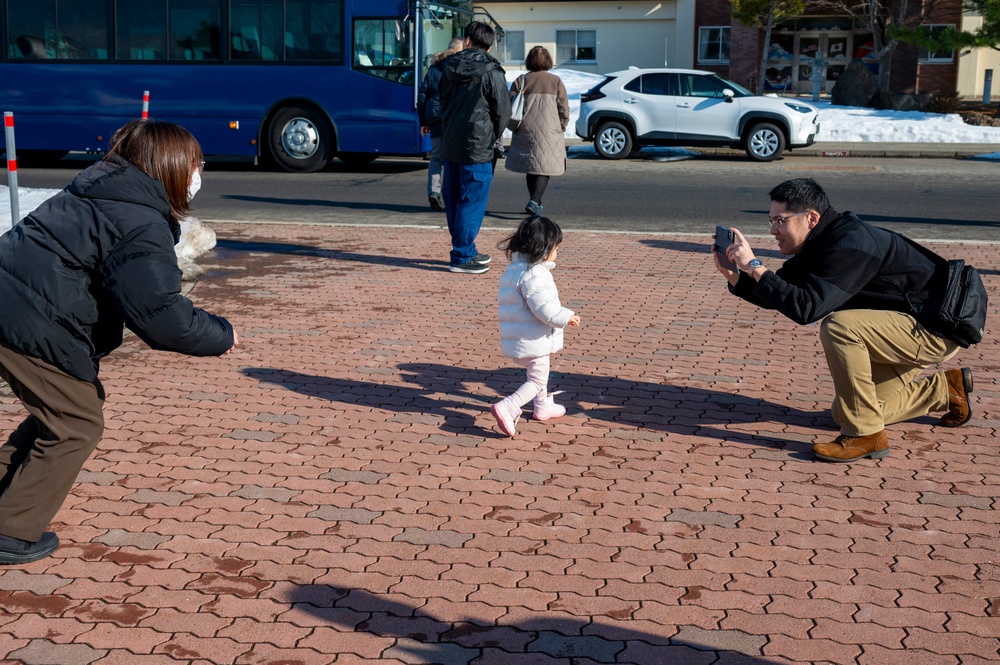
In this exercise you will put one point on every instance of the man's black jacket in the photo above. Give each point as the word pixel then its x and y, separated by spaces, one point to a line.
pixel 844 264
pixel 97 256
pixel 475 106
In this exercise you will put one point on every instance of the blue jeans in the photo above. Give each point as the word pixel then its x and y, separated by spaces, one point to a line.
pixel 434 167
pixel 465 188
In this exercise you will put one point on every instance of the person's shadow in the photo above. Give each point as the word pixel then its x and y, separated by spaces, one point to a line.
pixel 223 247
pixel 421 637
pixel 447 391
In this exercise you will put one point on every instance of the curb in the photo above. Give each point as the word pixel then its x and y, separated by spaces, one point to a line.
pixel 858 149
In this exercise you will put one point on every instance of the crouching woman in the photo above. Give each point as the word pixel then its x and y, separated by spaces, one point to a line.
pixel 95 258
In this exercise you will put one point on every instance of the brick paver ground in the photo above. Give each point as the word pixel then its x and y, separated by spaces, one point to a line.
pixel 337 491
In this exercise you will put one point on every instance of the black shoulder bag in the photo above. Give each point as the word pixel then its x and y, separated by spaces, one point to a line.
pixel 956 308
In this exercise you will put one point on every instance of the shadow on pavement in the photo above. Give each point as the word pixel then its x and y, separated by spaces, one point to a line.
pixel 339 255
pixel 328 203
pixel 885 219
pixel 423 638
pixel 704 247
pixel 446 391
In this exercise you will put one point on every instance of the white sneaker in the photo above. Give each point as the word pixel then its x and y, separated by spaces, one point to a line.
pixel 506 417
pixel 547 409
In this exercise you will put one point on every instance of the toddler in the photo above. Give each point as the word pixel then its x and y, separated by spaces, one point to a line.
pixel 531 318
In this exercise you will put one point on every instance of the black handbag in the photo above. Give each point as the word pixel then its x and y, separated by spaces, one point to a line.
pixel 956 309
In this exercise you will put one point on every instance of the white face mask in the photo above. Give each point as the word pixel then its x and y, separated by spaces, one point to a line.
pixel 195 185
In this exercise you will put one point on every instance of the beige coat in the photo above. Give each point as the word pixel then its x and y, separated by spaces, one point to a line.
pixel 538 146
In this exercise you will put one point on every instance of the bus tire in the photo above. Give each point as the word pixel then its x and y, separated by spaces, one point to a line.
pixel 40 157
pixel 357 158
pixel 300 139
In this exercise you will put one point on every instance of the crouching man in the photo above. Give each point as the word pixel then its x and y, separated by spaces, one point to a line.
pixel 861 278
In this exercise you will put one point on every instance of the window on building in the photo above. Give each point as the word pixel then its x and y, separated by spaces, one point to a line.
pixel 510 46
pixel 936 56
pixel 713 45
pixel 576 46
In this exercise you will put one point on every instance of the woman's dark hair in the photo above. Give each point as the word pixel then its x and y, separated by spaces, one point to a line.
pixel 163 151
pixel 539 60
pixel 534 238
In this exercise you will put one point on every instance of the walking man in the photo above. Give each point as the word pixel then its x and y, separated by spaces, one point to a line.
pixel 475 107
pixel 862 279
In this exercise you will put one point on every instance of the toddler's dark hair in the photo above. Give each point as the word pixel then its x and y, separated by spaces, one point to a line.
pixel 534 238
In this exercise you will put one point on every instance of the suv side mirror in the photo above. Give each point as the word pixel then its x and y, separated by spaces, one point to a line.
pixel 728 95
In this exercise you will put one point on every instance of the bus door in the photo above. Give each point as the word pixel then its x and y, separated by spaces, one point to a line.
pixel 382 112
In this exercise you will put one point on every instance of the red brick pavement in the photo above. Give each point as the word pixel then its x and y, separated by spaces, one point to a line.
pixel 337 491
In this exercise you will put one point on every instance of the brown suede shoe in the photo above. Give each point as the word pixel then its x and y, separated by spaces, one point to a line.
pixel 852 448
pixel 959 387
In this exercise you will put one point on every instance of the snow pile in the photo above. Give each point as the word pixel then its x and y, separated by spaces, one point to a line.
pixel 840 124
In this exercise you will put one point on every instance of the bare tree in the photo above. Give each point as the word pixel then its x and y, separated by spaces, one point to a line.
pixel 888 20
pixel 764 14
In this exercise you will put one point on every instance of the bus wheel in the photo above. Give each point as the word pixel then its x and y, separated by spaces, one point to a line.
pixel 357 158
pixel 40 157
pixel 300 140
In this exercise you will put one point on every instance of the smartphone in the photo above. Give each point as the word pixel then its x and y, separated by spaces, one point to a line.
pixel 723 239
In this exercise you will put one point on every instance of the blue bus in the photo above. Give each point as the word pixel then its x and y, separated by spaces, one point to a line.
pixel 291 83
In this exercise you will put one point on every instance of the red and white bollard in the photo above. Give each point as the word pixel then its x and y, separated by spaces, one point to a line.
pixel 8 127
pixel 145 104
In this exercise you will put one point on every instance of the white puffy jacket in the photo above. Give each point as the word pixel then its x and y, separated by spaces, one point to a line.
pixel 531 316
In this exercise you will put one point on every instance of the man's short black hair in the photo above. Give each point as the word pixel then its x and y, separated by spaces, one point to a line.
pixel 480 35
pixel 801 194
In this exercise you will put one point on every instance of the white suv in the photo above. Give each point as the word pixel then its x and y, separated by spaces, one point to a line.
pixel 685 107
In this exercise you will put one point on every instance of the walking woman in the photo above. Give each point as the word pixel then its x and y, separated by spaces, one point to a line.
pixel 538 148
pixel 95 258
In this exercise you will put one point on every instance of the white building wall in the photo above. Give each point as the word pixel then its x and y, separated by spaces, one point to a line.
pixel 972 66
pixel 629 33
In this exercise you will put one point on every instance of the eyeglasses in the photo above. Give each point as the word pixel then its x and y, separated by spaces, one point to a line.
pixel 779 220
pixel 201 166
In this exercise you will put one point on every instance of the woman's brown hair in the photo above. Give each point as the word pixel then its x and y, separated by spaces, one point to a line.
pixel 163 151
pixel 539 60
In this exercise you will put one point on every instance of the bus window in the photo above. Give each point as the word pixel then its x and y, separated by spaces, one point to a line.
pixel 314 30
pixel 256 30
pixel 141 30
pixel 382 48
pixel 78 31
pixel 194 29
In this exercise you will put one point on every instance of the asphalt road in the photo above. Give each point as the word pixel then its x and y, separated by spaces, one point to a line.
pixel 951 199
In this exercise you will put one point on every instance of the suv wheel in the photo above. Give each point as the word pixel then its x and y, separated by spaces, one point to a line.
pixel 764 142
pixel 613 141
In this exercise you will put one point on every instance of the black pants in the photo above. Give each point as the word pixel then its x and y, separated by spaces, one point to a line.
pixel 536 187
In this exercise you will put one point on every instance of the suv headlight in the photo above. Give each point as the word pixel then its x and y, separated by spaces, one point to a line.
pixel 800 107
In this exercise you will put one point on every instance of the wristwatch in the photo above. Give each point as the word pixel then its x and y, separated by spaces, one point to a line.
pixel 754 264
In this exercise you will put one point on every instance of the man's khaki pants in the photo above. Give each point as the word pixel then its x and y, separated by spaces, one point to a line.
pixel 44 455
pixel 874 358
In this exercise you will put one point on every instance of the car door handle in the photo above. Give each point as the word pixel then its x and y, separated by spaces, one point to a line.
pixel 683 106
pixel 631 100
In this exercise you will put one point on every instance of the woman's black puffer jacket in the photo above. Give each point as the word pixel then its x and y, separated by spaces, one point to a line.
pixel 94 258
